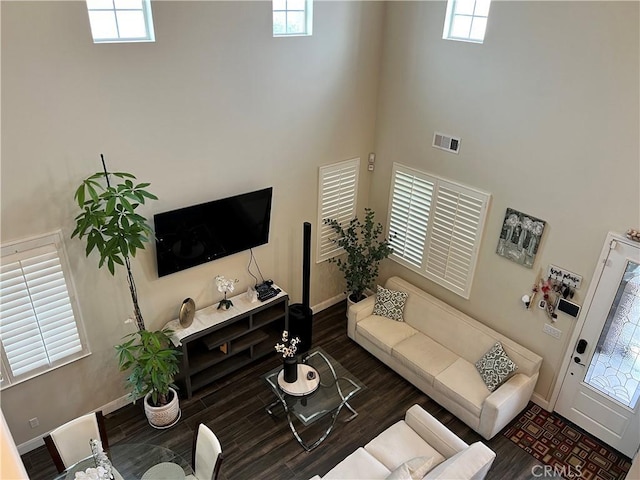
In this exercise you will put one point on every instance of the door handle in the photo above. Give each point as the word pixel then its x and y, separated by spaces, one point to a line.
pixel 582 346
pixel 578 360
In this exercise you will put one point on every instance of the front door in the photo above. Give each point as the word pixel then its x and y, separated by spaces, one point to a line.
pixel 601 388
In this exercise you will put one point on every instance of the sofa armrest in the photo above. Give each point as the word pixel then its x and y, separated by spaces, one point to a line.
pixel 507 401
pixel 472 463
pixel 433 432
pixel 359 311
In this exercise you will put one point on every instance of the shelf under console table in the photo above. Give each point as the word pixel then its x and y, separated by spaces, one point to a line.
pixel 219 342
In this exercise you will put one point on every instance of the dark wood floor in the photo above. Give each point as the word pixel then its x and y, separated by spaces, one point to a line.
pixel 258 446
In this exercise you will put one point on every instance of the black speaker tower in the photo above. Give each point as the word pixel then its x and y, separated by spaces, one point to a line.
pixel 300 314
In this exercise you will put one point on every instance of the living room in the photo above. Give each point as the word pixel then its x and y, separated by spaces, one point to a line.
pixel 547 110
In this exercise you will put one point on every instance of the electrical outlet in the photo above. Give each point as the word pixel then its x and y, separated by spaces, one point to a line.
pixel 371 166
pixel 34 422
pixel 549 330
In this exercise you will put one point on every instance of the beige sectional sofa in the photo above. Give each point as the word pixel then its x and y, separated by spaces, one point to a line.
pixel 436 347
pixel 418 437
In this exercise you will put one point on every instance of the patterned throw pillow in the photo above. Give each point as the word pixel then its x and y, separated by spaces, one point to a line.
pixel 495 367
pixel 389 303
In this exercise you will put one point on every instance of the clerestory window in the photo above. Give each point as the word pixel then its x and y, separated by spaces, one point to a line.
pixel 292 17
pixel 120 21
pixel 466 20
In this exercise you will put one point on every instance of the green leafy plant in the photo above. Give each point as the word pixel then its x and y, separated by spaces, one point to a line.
pixel 153 363
pixel 110 224
pixel 365 247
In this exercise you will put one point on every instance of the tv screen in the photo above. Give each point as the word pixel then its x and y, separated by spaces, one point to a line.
pixel 198 234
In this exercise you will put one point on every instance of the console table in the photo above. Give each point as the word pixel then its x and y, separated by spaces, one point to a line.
pixel 219 342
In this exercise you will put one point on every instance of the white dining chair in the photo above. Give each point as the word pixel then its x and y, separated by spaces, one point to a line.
pixel 69 443
pixel 206 454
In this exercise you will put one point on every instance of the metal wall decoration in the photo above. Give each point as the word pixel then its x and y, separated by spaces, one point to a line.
pixel 520 237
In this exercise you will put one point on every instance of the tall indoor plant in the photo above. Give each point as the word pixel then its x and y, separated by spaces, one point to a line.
pixel 110 224
pixel 365 247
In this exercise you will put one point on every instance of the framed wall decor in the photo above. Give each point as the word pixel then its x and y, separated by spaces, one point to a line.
pixel 520 237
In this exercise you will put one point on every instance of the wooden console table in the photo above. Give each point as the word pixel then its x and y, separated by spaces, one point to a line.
pixel 219 342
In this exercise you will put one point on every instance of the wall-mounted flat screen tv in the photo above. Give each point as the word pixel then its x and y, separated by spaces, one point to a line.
pixel 202 233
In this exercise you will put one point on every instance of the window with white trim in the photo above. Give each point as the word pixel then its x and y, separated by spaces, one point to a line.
pixel 39 320
pixel 337 198
pixel 466 20
pixel 436 227
pixel 114 21
pixel 292 17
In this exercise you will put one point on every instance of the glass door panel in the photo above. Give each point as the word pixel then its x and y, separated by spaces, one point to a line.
pixel 615 366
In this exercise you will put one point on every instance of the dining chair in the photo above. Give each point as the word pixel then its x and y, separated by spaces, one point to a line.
pixel 69 443
pixel 206 454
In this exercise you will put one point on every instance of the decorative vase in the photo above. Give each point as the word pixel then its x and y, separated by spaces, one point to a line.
pixel 290 369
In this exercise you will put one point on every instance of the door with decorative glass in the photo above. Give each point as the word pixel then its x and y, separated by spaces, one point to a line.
pixel 601 388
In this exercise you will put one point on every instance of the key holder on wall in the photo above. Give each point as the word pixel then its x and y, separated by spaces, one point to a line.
pixel 556 285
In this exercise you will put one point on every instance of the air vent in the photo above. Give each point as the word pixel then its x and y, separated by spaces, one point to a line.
pixel 446 142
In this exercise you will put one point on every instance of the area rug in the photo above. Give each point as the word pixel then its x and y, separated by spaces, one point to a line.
pixel 569 451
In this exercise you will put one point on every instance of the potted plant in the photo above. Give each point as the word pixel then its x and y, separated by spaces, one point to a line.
pixel 110 225
pixel 365 247
pixel 153 363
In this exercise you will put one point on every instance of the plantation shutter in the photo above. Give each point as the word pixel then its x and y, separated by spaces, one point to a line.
pixel 37 323
pixel 409 214
pixel 455 236
pixel 338 193
pixel 437 226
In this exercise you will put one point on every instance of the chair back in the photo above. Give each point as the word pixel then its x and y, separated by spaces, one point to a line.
pixel 69 443
pixel 206 454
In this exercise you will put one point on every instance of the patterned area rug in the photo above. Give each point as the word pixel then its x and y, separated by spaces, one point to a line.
pixel 568 450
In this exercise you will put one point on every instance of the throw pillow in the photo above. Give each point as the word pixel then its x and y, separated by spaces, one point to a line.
pixel 495 367
pixel 389 303
pixel 413 469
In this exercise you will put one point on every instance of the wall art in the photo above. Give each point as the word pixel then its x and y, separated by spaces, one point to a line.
pixel 520 237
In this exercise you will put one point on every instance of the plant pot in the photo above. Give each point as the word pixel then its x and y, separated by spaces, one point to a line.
pixel 290 367
pixel 164 416
pixel 352 299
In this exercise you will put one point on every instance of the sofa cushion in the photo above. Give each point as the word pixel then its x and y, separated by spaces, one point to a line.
pixel 413 469
pixel 400 443
pixel 424 356
pixel 360 465
pixel 383 332
pixel 462 384
pixel 470 463
pixel 389 303
pixel 495 367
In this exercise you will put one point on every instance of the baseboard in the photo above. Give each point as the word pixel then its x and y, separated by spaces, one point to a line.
pixel 328 303
pixel 107 408
pixel 538 400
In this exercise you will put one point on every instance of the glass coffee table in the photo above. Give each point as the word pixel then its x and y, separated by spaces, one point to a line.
pixel 335 388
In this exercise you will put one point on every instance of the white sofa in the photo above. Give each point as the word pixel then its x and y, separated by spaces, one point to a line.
pixel 436 348
pixel 418 435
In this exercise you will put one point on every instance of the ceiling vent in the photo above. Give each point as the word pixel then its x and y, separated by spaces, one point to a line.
pixel 446 142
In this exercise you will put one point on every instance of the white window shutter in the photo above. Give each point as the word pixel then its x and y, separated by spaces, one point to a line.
pixel 338 193
pixel 436 227
pixel 411 195
pixel 38 327
pixel 455 235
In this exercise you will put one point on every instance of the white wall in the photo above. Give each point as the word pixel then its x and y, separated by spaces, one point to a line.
pixel 215 107
pixel 548 112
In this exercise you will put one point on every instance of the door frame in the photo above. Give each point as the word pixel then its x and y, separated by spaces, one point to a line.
pixel 577 330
